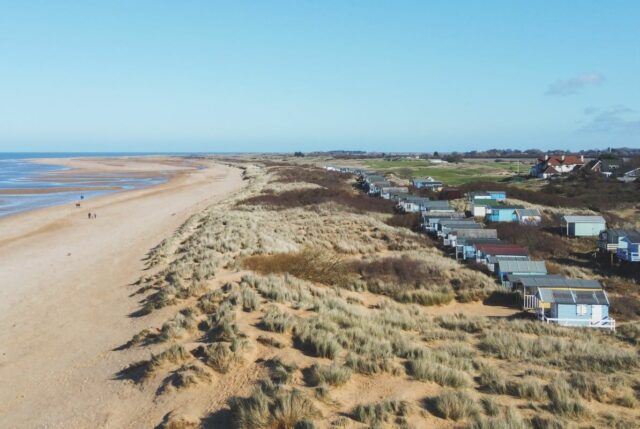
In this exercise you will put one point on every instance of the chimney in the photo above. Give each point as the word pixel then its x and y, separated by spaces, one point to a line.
pixel 546 157
pixel 562 158
pixel 581 158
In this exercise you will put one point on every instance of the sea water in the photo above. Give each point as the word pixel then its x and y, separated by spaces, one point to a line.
pixel 17 173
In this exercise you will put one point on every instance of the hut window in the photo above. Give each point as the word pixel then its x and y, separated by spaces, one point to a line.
pixel 581 309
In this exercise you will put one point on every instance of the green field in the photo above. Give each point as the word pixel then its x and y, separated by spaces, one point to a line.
pixel 449 174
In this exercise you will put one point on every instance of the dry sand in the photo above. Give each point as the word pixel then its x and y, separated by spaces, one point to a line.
pixel 65 294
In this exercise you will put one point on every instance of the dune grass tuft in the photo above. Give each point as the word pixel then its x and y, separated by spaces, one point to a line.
pixel 564 401
pixel 455 405
pixel 276 320
pixel 428 370
pixel 380 412
pixel 334 374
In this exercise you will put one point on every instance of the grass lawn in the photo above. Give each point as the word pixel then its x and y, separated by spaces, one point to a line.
pixel 450 174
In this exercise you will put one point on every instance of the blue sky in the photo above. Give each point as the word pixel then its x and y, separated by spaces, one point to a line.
pixel 318 75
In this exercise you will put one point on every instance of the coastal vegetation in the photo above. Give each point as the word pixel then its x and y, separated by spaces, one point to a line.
pixel 327 313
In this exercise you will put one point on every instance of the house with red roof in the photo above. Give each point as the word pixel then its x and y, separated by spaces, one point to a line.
pixel 555 165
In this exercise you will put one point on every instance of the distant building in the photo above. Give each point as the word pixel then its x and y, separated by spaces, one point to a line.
pixel 583 226
pixel 427 183
pixel 556 165
pixel 630 175
pixel 608 167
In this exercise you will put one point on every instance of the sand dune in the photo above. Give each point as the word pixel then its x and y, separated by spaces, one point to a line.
pixel 64 295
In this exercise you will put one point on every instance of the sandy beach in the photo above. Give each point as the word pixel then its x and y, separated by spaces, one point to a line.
pixel 65 292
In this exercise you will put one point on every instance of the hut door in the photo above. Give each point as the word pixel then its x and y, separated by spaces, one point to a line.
pixel 596 313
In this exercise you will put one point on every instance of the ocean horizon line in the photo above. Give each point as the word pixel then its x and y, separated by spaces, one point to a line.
pixel 73 154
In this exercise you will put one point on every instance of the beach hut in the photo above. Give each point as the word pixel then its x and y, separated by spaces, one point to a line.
pixel 400 196
pixel 502 213
pixel 431 219
pixel 483 251
pixel 445 225
pixel 465 247
pixel 412 204
pixel 450 234
pixel 427 183
pixel 583 226
pixel 528 216
pixel 481 206
pixel 518 267
pixel 568 302
pixel 437 206
pixel 387 191
pixel 374 188
pixel 609 239
pixel 628 247
pixel 462 233
pixel 497 195
pixel 492 261
pixel 487 195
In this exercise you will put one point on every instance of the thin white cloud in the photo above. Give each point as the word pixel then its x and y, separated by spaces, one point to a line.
pixel 618 119
pixel 564 87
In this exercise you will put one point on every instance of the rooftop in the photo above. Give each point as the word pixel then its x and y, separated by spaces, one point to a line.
pixel 496 259
pixel 633 236
pixel 502 249
pixel 475 233
pixel 528 212
pixel 443 215
pixel 583 219
pixel 462 226
pixel 571 296
pixel 519 266
pixel 562 159
pixel 554 281
pixel 437 204
pixel 469 241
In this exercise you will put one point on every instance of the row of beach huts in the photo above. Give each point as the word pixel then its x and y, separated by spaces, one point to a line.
pixel 553 298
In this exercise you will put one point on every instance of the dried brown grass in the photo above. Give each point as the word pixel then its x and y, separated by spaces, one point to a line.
pixel 316 265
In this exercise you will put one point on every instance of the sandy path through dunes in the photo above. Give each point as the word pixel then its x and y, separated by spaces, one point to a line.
pixel 64 296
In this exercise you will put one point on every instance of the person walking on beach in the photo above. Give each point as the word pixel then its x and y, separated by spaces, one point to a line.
pixel 89 215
